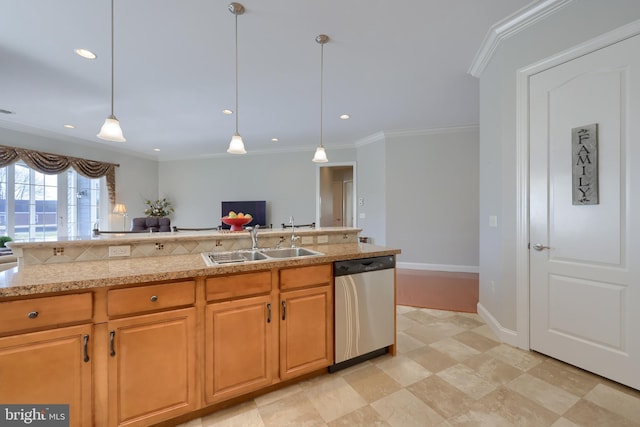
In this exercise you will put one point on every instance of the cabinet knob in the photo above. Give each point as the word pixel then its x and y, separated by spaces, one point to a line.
pixel 32 314
pixel 154 298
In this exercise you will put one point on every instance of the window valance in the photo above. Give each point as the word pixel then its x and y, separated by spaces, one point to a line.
pixel 53 164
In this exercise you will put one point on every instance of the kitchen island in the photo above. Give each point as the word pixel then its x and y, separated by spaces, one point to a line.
pixel 146 340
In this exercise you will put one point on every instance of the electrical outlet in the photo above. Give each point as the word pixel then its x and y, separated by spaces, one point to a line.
pixel 307 240
pixel 323 239
pixel 123 250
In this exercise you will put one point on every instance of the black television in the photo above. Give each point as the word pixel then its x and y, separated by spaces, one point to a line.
pixel 257 209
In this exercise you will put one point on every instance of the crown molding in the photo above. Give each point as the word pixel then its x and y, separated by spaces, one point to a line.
pixel 383 135
pixel 432 131
pixel 508 27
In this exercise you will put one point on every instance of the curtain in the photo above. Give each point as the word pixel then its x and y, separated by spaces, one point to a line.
pixel 53 164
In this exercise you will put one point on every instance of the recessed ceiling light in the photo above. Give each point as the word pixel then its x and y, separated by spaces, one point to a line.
pixel 274 139
pixel 227 112
pixel 85 53
pixel 345 117
pixel 69 126
pixel 156 149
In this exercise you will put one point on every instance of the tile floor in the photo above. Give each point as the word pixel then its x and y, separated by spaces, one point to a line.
pixel 450 371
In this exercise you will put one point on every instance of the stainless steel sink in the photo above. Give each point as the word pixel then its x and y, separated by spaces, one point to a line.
pixel 253 255
pixel 214 258
pixel 289 252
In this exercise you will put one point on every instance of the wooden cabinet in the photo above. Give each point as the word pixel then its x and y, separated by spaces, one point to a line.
pixel 152 357
pixel 142 355
pixel 306 320
pixel 238 335
pixel 238 347
pixel 43 358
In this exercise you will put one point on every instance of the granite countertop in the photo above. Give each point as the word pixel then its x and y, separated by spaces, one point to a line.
pixel 39 279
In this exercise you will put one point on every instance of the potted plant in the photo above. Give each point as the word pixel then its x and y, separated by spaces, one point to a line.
pixel 158 208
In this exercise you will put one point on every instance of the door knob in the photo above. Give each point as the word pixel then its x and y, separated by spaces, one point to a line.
pixel 540 246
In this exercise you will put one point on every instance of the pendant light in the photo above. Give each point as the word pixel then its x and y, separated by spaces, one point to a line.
pixel 236 146
pixel 321 156
pixel 111 130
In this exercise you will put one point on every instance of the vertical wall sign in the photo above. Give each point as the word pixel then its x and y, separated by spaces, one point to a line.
pixel 584 147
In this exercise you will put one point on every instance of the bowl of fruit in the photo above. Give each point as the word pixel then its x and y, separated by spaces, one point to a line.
pixel 237 220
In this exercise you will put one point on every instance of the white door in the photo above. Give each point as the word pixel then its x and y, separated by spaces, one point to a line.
pixel 585 281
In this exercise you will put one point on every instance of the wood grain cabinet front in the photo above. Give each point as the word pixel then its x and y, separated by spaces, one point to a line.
pixel 239 328
pixel 238 347
pixel 156 297
pixel 151 367
pixel 49 367
pixel 45 312
pixel 306 330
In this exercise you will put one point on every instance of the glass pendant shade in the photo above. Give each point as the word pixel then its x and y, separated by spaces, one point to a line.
pixel 236 146
pixel 111 130
pixel 320 156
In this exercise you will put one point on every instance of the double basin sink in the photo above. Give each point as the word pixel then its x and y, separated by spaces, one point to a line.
pixel 214 258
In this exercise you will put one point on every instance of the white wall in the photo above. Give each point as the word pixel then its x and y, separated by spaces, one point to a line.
pixel 571 25
pixel 432 198
pixel 372 187
pixel 136 178
pixel 287 181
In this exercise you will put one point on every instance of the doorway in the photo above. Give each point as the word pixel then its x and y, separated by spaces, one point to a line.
pixel 335 200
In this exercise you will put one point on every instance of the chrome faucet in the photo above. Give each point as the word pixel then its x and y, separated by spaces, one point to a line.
pixel 253 231
pixel 293 232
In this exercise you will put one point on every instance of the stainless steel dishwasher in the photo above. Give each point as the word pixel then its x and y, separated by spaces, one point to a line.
pixel 364 309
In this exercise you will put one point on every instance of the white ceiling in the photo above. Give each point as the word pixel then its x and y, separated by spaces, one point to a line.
pixel 391 65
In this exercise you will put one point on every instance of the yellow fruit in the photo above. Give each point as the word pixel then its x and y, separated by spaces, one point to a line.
pixel 232 214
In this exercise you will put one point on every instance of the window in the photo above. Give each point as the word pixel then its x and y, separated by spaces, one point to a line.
pixel 38 206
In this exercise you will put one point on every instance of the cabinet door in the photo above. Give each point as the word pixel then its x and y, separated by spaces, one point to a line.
pixel 238 347
pixel 152 367
pixel 306 330
pixel 50 367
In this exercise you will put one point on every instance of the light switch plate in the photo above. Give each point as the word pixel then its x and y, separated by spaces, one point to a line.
pixel 323 239
pixel 493 221
pixel 307 240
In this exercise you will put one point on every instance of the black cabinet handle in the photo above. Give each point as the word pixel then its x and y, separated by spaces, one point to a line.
pixel 32 314
pixel 284 310
pixel 112 336
pixel 154 298
pixel 85 346
pixel 269 313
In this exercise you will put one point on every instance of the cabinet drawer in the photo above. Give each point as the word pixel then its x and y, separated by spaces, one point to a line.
pixel 238 285
pixel 45 312
pixel 150 298
pixel 301 277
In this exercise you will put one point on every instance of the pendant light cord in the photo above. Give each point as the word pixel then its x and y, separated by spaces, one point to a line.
pixel 321 86
pixel 237 111
pixel 112 68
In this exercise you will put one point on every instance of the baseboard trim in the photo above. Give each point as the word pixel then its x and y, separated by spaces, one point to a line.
pixel 505 335
pixel 439 267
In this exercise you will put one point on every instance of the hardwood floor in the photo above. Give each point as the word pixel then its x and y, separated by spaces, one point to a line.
pixel 437 290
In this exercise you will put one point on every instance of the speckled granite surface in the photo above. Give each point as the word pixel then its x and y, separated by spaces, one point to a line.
pixel 45 278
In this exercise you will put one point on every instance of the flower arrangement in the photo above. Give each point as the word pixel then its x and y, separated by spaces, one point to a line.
pixel 158 208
